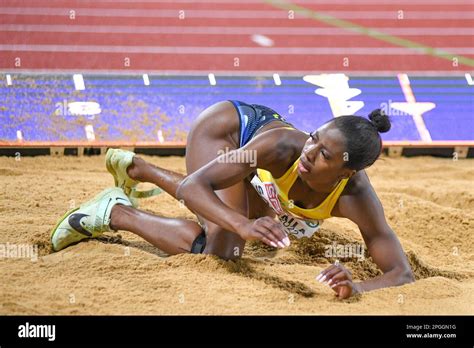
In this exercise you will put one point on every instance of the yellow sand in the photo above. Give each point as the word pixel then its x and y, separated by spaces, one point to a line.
pixel 428 202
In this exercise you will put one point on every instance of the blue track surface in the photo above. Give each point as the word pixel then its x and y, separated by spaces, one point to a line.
pixel 36 105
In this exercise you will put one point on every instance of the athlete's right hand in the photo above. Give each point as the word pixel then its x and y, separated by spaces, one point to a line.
pixel 266 230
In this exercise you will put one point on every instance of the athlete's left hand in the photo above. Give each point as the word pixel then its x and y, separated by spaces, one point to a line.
pixel 339 279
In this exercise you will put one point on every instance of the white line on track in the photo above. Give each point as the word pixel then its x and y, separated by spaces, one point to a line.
pixel 469 79
pixel 78 82
pixel 414 108
pixel 146 80
pixel 159 135
pixel 276 79
pixel 229 30
pixel 90 135
pixel 212 79
pixel 179 50
pixel 232 14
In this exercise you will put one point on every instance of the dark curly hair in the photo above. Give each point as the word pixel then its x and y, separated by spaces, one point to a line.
pixel 362 138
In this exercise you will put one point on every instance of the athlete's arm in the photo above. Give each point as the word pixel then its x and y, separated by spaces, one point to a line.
pixel 365 209
pixel 197 190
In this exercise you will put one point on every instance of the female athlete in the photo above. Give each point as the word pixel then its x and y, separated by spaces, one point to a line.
pixel 253 176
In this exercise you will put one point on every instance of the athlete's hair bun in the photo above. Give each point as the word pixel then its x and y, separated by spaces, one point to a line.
pixel 380 120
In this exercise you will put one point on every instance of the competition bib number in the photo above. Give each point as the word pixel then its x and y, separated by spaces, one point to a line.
pixel 291 223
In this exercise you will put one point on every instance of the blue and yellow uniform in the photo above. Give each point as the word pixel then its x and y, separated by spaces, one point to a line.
pixel 296 220
pixel 252 117
pixel 286 181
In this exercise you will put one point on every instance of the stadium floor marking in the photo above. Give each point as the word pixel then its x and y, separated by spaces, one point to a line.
pixel 78 82
pixel 146 80
pixel 212 79
pixel 276 79
pixel 416 112
pixel 469 79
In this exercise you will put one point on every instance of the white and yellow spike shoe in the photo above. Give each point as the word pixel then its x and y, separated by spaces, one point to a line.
pixel 90 220
pixel 117 161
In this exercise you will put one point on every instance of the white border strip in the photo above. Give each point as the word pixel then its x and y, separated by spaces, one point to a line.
pixel 469 79
pixel 231 73
pixel 276 79
pixel 228 14
pixel 181 50
pixel 146 80
pixel 79 82
pixel 227 30
pixel 212 79
pixel 417 117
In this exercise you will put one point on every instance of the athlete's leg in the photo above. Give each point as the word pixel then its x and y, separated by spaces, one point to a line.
pixel 177 235
pixel 143 171
pixel 170 235
pixel 217 129
pixel 173 236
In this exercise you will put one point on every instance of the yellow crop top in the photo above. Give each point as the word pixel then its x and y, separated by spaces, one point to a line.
pixel 284 184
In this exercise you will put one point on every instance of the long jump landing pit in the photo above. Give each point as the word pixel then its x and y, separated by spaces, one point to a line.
pixel 428 202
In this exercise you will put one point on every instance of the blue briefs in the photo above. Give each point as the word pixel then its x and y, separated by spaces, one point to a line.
pixel 253 117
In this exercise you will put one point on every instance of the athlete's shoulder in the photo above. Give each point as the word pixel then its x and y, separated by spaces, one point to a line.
pixel 276 149
pixel 357 199
pixel 279 139
pixel 287 141
pixel 358 185
pixel 287 137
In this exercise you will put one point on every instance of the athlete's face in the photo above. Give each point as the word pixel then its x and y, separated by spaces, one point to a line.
pixel 323 158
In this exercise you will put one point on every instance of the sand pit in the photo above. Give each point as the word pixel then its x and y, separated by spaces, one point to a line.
pixel 428 202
